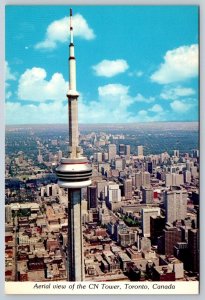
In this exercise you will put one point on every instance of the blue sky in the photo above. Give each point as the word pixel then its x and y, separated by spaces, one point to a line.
pixel 134 63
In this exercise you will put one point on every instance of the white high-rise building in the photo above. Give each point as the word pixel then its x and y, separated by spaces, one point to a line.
pixel 187 176
pixel 113 193
pixel 140 150
pixel 146 214
pixel 146 179
pixel 168 180
pixel 177 179
pixel 176 153
pixel 175 202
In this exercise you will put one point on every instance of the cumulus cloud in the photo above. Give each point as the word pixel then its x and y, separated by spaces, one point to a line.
pixel 110 68
pixel 113 90
pixel 8 77
pixel 8 74
pixel 181 106
pixel 145 116
pixel 156 108
pixel 179 65
pixel 34 86
pixel 177 92
pixel 141 98
pixel 42 113
pixel 57 32
pixel 112 105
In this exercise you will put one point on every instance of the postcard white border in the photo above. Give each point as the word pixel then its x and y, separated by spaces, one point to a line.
pixel 201 3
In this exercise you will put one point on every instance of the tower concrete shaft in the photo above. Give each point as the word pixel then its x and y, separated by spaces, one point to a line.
pixel 74 173
pixel 74 149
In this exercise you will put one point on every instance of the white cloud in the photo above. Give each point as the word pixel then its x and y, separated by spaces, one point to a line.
pixel 33 86
pixel 144 116
pixel 113 90
pixel 110 68
pixel 112 105
pixel 141 98
pixel 181 106
pixel 8 77
pixel 175 93
pixel 179 64
pixel 42 113
pixel 136 73
pixel 156 108
pixel 8 74
pixel 57 32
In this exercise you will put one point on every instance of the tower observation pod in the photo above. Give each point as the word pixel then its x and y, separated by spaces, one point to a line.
pixel 74 173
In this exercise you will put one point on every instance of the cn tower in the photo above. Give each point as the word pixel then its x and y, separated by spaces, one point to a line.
pixel 74 173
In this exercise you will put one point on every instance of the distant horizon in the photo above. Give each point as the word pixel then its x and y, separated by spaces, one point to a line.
pixel 102 124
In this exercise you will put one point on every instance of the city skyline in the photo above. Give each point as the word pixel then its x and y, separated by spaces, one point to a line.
pixel 121 85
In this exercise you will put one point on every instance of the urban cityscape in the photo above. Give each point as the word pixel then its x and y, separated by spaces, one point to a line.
pixel 140 215
pixel 102 201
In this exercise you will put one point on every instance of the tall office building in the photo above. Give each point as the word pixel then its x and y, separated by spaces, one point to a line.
pixel 147 195
pixel 172 236
pixel 127 185
pixel 138 180
pixel 147 213
pixel 195 153
pixel 127 151
pixel 157 225
pixel 176 153
pixel 92 196
pixel 187 176
pixel 8 213
pixel 175 205
pixel 149 167
pixel 193 249
pixel 113 193
pixel 122 149
pixel 101 189
pixel 112 151
pixel 177 179
pixel 120 164
pixel 146 179
pixel 168 179
pixel 142 179
pixel 140 150
pixel 74 173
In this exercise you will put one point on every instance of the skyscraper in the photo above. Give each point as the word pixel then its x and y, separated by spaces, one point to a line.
pixel 176 205
pixel 127 151
pixel 149 167
pixel 74 173
pixel 127 184
pixel 146 214
pixel 112 151
pixel 193 248
pixel 140 150
pixel 147 195
pixel 122 149
pixel 92 196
